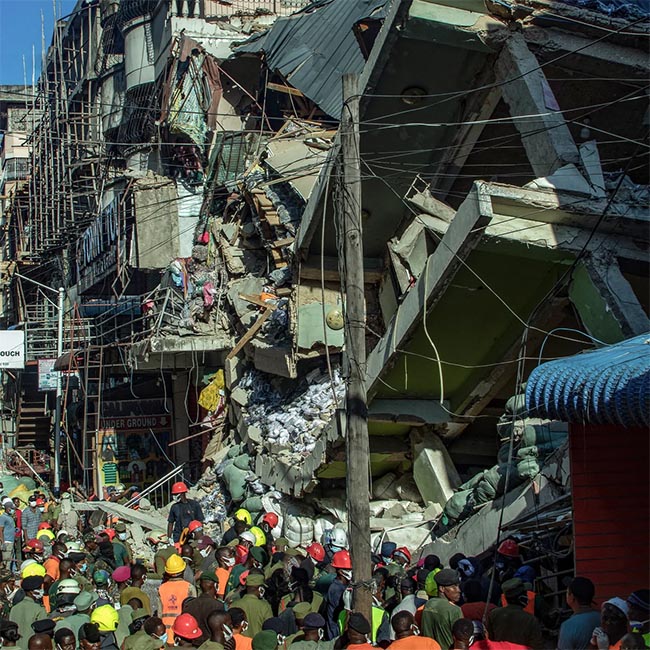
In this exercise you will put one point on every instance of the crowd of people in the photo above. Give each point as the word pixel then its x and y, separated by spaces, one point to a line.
pixel 83 587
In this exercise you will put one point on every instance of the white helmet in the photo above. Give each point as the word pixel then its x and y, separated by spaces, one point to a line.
pixel 68 586
pixel 73 546
pixel 157 537
pixel 247 536
pixel 338 538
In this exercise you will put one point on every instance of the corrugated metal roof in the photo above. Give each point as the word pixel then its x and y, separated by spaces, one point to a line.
pixel 315 47
pixel 606 386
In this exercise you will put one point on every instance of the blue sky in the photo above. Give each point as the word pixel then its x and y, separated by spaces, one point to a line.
pixel 20 28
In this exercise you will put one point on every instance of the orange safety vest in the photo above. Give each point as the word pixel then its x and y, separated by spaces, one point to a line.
pixel 530 606
pixel 223 575
pixel 172 594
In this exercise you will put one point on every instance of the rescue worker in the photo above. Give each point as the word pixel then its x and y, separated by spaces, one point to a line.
pixel 407 635
pixel 84 603
pixel 357 631
pixel 182 512
pixel 30 608
pixel 134 589
pixel 172 593
pixel 511 623
pixel 239 625
pixel 51 565
pixel 205 604
pixel 121 551
pixel 639 613
pixel 241 521
pixel 225 561
pixel 106 619
pixel 409 601
pixel 613 626
pixel 441 611
pixel 220 625
pixel 312 634
pixel 257 609
pixel 334 604
pixel 151 636
pixel 158 540
pixel 66 591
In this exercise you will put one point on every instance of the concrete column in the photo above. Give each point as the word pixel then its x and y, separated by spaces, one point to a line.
pixel 181 422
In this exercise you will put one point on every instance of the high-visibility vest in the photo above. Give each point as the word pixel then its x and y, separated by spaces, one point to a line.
pixel 377 618
pixel 172 594
pixel 223 575
pixel 530 606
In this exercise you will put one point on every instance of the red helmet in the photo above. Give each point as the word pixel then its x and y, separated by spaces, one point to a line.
pixel 342 560
pixel 241 553
pixel 186 627
pixel 110 532
pixel 179 488
pixel 509 548
pixel 34 546
pixel 404 552
pixel 193 525
pixel 40 502
pixel 316 551
pixel 43 525
pixel 271 519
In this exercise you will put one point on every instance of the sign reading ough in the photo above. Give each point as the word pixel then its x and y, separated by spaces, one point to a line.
pixel 12 349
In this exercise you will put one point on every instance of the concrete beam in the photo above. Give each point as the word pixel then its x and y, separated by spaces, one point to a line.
pixel 416 412
pixel 464 232
pixel 546 138
pixel 605 301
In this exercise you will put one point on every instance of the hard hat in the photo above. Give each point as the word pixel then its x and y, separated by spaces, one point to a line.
pixel 342 560
pixel 26 563
pixel 105 618
pixel 338 538
pixel 73 547
pixel 100 577
pixel 40 502
pixel 248 536
pixel 404 552
pixel 509 548
pixel 271 519
pixel 174 565
pixel 34 546
pixel 186 627
pixel 157 536
pixel 119 487
pixel 258 533
pixel 243 515
pixel 110 532
pixel 193 525
pixel 46 533
pixel 43 525
pixel 33 570
pixel 316 551
pixel 68 586
pixel 241 553
pixel 179 488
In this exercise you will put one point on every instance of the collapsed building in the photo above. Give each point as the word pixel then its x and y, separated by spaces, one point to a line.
pixel 189 213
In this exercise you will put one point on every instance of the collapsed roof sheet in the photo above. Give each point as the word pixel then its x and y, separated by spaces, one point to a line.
pixel 315 47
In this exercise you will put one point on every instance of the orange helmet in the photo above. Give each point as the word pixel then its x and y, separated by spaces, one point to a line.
pixel 193 525
pixel 404 552
pixel 44 525
pixel 316 551
pixel 342 560
pixel 179 488
pixel 509 548
pixel 110 532
pixel 271 519
pixel 34 546
pixel 186 627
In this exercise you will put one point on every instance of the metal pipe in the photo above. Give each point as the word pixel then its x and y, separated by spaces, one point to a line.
pixel 155 485
pixel 59 394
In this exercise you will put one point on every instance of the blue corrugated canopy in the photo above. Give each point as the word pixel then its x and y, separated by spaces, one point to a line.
pixel 610 385
pixel 313 48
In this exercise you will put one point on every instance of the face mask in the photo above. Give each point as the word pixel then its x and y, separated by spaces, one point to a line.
pixel 347 573
pixel 121 536
pixel 262 592
pixel 320 635
pixel 41 509
pixel 227 632
pixel 32 504
pixel 163 638
pixel 471 640
pixel 281 638
pixel 38 594
pixel 205 551
pixel 229 561
pixel 415 629
pixel 83 568
pixel 198 532
pixel 244 626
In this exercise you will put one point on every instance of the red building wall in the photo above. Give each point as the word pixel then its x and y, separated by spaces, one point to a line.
pixel 610 468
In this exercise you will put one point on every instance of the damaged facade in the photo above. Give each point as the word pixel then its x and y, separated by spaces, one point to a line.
pixel 190 216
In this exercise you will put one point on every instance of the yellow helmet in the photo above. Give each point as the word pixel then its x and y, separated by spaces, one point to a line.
pixel 174 565
pixel 33 570
pixel 106 618
pixel 47 533
pixel 260 537
pixel 243 515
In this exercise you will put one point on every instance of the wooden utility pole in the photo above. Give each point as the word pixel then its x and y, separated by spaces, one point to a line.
pixel 357 446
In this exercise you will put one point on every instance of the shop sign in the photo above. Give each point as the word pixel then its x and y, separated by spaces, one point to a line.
pixel 12 349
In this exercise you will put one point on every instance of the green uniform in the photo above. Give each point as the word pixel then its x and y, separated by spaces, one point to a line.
pixel 26 612
pixel 141 641
pixel 210 645
pixel 161 557
pixel 121 553
pixel 438 616
pixel 73 623
pixel 316 602
pixel 511 623
pixel 313 645
pixel 257 611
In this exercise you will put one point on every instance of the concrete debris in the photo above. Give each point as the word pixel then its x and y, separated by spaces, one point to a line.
pixel 293 418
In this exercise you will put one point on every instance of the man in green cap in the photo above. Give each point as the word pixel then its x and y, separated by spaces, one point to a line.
pixel 207 603
pixel 257 609
pixel 30 608
pixel 138 576
pixel 267 640
pixel 152 635
pixel 84 602
pixel 441 612
pixel 255 560
pixel 511 623
pixel 121 550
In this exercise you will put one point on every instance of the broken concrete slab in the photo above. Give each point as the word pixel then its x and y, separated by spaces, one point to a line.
pixel 433 470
